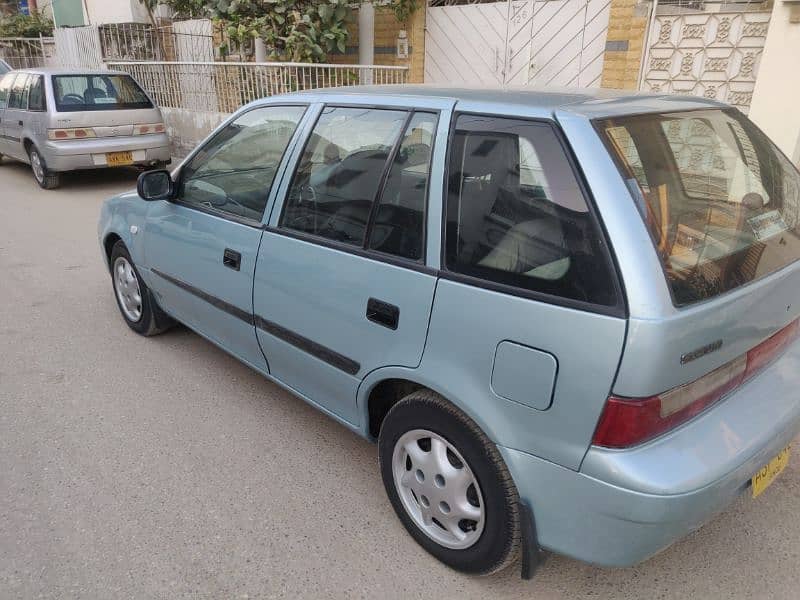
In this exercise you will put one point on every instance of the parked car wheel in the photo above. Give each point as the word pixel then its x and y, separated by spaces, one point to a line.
pixel 134 299
pixel 449 485
pixel 45 178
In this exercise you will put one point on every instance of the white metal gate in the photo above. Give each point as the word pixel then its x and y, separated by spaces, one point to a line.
pixel 522 42
pixel 706 51
pixel 78 47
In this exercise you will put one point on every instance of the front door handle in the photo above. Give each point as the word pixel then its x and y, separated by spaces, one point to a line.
pixel 232 259
pixel 383 313
pixel 20 123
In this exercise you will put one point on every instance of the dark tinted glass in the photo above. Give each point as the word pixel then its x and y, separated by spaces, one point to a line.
pixel 339 174
pixel 233 172
pixel 36 98
pixel 516 214
pixel 721 202
pixel 399 222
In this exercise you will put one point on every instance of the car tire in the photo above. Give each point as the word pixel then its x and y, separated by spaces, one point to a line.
pixel 134 299
pixel 458 486
pixel 45 178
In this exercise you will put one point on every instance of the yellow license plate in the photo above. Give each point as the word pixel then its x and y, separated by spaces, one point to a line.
pixel 118 159
pixel 769 472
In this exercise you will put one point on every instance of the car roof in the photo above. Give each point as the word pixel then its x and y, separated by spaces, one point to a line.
pixel 592 103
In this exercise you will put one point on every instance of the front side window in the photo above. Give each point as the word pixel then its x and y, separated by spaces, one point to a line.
pixel 722 204
pixel 98 92
pixel 340 173
pixel 234 171
pixel 18 90
pixel 5 88
pixel 36 98
pixel 516 215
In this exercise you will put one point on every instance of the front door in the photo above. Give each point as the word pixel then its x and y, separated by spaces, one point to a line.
pixel 341 286
pixel 13 115
pixel 201 247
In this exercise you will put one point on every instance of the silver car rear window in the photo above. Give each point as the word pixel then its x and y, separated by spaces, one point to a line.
pixel 75 93
pixel 722 203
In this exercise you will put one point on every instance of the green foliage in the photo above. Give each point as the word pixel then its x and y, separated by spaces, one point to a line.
pixel 293 30
pixel 19 25
pixel 403 9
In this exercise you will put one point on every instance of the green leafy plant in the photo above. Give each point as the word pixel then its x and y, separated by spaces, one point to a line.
pixel 19 25
pixel 293 30
pixel 403 9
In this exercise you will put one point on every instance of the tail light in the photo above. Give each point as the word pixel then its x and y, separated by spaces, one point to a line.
pixel 71 134
pixel 626 422
pixel 148 128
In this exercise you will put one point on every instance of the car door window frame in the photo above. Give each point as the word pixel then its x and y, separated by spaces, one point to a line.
pixel 32 81
pixel 363 250
pixel 287 152
pixel 619 309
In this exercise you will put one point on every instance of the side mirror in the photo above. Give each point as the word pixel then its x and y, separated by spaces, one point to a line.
pixel 155 185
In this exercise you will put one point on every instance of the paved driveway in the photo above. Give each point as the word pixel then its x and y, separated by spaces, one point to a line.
pixel 143 468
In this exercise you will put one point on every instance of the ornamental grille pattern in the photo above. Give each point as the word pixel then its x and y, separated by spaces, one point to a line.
pixel 713 55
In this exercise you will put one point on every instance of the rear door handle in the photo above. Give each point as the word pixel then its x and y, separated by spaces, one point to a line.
pixel 232 259
pixel 383 313
pixel 20 123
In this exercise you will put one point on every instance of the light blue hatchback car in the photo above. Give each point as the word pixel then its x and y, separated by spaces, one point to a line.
pixel 570 320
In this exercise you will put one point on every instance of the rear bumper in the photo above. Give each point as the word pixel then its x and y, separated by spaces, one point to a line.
pixel 91 153
pixel 626 505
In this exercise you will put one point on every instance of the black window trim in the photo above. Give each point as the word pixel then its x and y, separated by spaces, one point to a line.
pixel 364 251
pixel 619 309
pixel 255 224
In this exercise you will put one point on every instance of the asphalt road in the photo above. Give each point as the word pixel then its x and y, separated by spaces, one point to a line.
pixel 162 468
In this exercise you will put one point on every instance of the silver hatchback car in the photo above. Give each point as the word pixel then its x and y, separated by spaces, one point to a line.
pixel 62 120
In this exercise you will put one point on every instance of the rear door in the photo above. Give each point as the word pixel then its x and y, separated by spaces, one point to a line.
pixel 341 285
pixel 201 247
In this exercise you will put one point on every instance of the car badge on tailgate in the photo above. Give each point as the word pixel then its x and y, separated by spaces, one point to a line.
pixel 702 351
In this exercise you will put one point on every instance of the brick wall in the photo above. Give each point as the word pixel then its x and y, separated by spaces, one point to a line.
pixel 627 27
pixel 387 28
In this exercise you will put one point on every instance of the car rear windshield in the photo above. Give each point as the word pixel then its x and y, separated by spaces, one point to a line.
pixel 722 203
pixel 98 92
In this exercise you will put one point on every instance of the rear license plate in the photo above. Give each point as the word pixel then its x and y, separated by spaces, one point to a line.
pixel 769 472
pixel 118 159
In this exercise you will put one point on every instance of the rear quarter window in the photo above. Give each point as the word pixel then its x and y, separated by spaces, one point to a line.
pixel 517 216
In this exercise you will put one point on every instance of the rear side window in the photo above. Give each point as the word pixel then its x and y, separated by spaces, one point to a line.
pixel 516 215
pixel 722 204
pixel 98 92
pixel 352 174
pixel 36 97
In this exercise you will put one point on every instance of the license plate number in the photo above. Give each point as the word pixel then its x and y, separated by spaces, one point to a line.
pixel 769 472
pixel 118 159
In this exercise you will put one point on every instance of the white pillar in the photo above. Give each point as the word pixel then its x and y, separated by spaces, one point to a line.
pixel 261 50
pixel 366 39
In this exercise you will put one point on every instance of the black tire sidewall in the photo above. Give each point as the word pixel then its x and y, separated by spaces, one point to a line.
pixel 144 324
pixel 492 550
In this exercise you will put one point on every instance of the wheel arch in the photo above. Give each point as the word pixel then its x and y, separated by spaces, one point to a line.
pixel 110 239
pixel 383 388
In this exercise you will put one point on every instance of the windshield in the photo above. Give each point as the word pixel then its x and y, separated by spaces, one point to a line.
pixel 74 93
pixel 720 200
